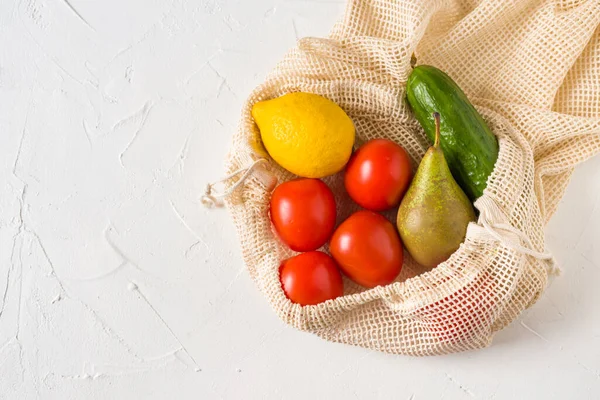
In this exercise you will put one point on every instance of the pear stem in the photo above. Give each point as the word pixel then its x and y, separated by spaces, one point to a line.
pixel 436 117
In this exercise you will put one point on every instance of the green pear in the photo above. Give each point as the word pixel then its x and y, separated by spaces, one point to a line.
pixel 434 213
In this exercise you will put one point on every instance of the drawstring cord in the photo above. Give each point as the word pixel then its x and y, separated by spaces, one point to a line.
pixel 212 198
pixel 495 223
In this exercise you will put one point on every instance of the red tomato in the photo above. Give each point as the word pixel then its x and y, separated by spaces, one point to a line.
pixel 368 249
pixel 311 278
pixel 378 174
pixel 303 213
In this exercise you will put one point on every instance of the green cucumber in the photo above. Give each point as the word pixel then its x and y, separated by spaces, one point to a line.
pixel 469 145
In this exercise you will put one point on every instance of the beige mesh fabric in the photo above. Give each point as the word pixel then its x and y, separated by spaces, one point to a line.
pixel 532 68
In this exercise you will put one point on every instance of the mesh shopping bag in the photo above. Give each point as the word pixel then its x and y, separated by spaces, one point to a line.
pixel 531 68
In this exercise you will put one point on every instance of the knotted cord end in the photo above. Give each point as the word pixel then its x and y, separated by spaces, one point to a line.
pixel 208 200
pixel 553 268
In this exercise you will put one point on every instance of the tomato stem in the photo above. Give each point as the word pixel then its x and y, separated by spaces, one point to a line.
pixel 436 117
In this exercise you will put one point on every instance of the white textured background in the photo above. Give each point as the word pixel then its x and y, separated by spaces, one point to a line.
pixel 113 116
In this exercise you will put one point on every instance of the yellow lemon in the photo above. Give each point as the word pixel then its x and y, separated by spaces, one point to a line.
pixel 305 133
